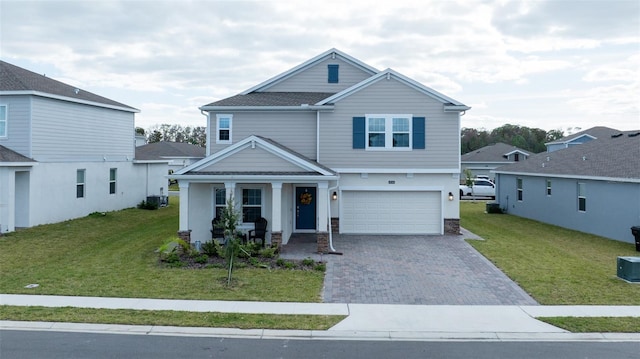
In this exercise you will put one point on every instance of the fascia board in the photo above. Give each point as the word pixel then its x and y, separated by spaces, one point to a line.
pixel 458 106
pixel 253 178
pixel 18 164
pixel 399 170
pixel 70 99
pixel 552 175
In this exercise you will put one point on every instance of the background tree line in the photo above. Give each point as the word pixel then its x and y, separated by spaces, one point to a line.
pixel 529 139
pixel 175 133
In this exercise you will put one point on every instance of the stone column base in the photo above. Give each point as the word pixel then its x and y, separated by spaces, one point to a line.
pixel 452 226
pixel 185 236
pixel 323 242
pixel 276 240
pixel 335 224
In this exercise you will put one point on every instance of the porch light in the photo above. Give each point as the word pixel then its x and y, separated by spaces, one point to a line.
pixel 334 196
pixel 450 196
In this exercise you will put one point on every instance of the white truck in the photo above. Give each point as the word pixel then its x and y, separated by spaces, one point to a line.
pixel 480 188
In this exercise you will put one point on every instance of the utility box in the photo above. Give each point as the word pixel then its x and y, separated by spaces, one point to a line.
pixel 629 268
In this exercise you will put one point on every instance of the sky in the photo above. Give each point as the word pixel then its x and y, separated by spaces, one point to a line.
pixel 555 65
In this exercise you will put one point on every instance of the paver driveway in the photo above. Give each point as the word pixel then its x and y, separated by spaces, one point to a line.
pixel 415 270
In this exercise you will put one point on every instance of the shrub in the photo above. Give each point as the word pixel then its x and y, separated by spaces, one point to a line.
pixel 146 205
pixel 267 252
pixel 308 262
pixel 280 262
pixel 202 259
pixel 212 249
pixel 320 267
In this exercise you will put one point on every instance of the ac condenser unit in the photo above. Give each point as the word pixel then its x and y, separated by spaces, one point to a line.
pixel 629 268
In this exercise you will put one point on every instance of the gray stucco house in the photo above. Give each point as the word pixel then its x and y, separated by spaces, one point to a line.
pixel 179 154
pixel 483 160
pixel 332 144
pixel 593 187
pixel 581 137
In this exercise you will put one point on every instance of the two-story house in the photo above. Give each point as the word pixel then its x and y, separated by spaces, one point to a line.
pixel 66 152
pixel 483 160
pixel 330 143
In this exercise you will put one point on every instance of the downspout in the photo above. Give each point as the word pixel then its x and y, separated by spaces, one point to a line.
pixel 318 137
pixel 331 189
pixel 208 133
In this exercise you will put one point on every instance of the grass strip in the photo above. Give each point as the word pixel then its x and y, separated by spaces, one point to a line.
pixel 595 324
pixel 169 318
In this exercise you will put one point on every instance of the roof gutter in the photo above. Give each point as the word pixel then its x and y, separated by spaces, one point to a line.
pixel 268 108
pixel 456 108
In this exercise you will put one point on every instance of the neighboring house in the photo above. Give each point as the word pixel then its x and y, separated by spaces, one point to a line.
pixel 580 138
pixel 483 160
pixel 179 154
pixel 331 143
pixel 593 187
pixel 65 152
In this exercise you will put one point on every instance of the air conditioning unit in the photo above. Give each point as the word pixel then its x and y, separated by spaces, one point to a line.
pixel 629 268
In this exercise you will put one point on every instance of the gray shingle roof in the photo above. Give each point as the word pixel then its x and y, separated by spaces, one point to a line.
pixel 607 156
pixel 491 153
pixel 14 78
pixel 273 99
pixel 165 149
pixel 9 155
pixel 597 132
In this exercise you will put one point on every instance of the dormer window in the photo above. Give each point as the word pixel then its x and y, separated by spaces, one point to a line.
pixel 223 128
pixel 333 71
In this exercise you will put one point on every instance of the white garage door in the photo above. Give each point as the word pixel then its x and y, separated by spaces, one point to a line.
pixel 401 212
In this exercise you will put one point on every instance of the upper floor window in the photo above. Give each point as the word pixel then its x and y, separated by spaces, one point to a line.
pixel 113 174
pixel 519 188
pixel 3 120
pixel 390 132
pixel 80 182
pixel 582 197
pixel 223 128
pixel 251 204
pixel 333 73
pixel 548 187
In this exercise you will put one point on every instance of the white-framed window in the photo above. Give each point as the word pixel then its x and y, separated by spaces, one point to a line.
pixel 519 188
pixel 548 187
pixel 219 201
pixel 388 132
pixel 582 197
pixel 80 183
pixel 113 177
pixel 251 204
pixel 223 128
pixel 3 121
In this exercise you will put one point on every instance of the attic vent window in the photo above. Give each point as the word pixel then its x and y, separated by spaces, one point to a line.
pixel 76 91
pixel 333 71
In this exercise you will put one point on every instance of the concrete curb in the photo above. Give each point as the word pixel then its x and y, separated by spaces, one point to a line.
pixel 316 334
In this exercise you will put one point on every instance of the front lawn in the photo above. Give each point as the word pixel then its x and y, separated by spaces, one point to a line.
pixel 114 256
pixel 556 266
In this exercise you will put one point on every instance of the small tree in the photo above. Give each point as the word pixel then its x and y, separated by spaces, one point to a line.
pixel 228 222
pixel 468 179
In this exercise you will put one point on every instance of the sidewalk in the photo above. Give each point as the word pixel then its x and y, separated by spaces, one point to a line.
pixel 364 321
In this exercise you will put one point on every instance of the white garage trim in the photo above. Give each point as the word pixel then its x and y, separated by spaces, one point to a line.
pixel 382 210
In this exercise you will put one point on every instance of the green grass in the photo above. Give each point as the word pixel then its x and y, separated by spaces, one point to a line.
pixel 113 256
pixel 554 265
pixel 172 318
pixel 595 325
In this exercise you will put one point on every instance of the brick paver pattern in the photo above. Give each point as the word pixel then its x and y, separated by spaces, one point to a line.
pixel 428 270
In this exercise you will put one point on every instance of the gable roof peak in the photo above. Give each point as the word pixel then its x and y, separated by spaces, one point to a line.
pixel 333 52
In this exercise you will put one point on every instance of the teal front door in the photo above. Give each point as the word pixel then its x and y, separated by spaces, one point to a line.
pixel 305 208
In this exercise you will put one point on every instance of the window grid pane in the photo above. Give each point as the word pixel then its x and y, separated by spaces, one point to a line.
pixel 400 140
pixel 400 125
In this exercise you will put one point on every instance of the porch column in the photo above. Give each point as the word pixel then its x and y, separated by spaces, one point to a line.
pixel 230 189
pixel 276 214
pixel 7 200
pixel 276 207
pixel 184 204
pixel 323 209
